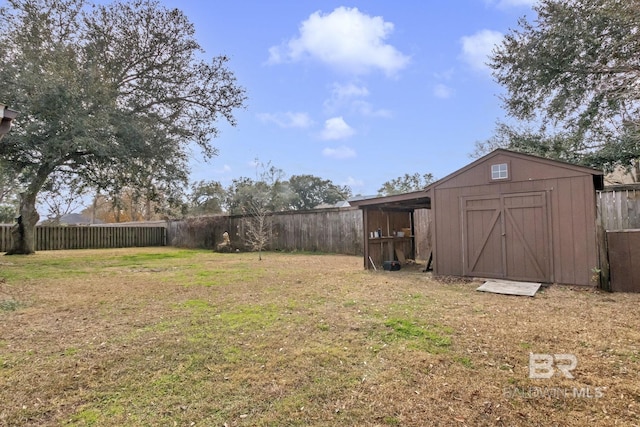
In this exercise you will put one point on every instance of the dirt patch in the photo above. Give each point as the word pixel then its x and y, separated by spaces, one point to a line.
pixel 169 337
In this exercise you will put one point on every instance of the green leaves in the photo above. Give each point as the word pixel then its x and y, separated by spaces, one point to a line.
pixel 405 184
pixel 311 191
pixel 574 69
pixel 113 94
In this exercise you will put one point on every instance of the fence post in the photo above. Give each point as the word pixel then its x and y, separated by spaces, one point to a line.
pixel 603 253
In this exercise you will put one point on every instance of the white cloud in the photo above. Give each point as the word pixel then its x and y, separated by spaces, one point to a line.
pixel 336 128
pixel 366 109
pixel 287 120
pixel 442 91
pixel 342 152
pixel 347 96
pixel 342 95
pixel 223 169
pixel 352 182
pixel 275 55
pixel 346 40
pixel 349 90
pixel 477 48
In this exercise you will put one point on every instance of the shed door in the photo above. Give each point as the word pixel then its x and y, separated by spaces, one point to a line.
pixel 507 236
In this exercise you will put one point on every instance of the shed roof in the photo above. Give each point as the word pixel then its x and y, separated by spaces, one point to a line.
pixel 420 199
pixel 598 175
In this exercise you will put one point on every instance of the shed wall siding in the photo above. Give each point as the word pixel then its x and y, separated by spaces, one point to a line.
pixel 574 230
pixel 571 205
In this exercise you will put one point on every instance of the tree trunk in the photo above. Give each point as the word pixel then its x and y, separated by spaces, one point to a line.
pixel 148 208
pixel 95 207
pixel 23 232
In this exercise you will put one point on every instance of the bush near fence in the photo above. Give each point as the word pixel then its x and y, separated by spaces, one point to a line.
pixel 200 232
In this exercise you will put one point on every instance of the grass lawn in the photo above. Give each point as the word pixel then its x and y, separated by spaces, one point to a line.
pixel 164 337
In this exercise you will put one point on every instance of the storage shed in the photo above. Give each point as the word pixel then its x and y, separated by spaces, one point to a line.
pixel 516 216
pixel 389 226
pixel 506 215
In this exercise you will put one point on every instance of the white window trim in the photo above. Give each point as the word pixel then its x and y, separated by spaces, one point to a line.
pixel 499 171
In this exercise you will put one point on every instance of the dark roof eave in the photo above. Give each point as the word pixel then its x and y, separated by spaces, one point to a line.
pixel 407 201
pixel 10 114
pixel 6 118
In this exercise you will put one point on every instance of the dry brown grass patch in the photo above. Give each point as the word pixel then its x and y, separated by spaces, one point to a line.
pixel 172 337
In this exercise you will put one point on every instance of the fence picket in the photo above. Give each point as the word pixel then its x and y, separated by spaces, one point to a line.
pixel 71 237
pixel 620 207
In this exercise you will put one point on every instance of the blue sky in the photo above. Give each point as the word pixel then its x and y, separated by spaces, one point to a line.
pixel 357 92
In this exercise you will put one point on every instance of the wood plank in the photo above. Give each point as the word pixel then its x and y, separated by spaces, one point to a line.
pixel 509 287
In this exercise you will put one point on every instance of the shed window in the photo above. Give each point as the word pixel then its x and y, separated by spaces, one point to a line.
pixel 499 171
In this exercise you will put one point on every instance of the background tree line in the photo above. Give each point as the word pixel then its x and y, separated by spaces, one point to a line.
pixel 270 191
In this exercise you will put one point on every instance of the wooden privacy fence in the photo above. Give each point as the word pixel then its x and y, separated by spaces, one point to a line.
pixel 619 207
pixel 322 230
pixel 624 255
pixel 331 230
pixel 89 237
pixel 619 212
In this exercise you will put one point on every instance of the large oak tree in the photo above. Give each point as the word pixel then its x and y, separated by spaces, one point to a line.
pixel 310 191
pixel 575 69
pixel 112 94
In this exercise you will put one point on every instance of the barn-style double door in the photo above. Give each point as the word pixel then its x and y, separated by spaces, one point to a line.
pixel 507 236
